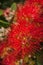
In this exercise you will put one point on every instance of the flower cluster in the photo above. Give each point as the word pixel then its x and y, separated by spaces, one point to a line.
pixel 26 33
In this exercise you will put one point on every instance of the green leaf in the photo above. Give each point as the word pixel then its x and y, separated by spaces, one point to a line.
pixel 1 12
pixel 13 6
pixel 38 63
pixel 40 58
pixel 4 23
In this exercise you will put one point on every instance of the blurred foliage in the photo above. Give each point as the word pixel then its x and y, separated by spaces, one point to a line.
pixel 7 3
pixel 40 58
pixel 3 22
pixel 1 12
pixel 13 6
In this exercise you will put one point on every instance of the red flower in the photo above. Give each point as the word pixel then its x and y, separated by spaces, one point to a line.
pixel 29 11
pixel 25 36
pixel 26 33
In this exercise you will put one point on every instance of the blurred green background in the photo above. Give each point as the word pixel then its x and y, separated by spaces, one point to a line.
pixel 7 3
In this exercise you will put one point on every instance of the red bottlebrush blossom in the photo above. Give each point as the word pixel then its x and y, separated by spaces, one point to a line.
pixel 21 38
pixel 29 12
pixel 39 1
pixel 9 60
pixel 2 46
pixel 25 35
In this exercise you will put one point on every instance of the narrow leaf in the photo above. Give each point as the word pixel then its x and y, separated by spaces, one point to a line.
pixel 13 6
pixel 1 12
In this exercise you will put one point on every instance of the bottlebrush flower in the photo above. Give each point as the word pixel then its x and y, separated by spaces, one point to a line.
pixel 28 12
pixel 2 46
pixel 21 38
pixel 39 1
pixel 25 35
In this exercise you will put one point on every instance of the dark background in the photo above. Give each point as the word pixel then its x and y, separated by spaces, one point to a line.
pixel 7 3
